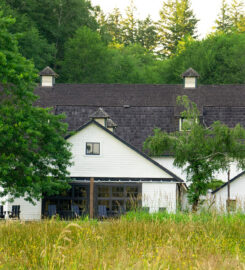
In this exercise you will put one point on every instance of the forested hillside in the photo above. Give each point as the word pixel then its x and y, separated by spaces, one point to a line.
pixel 84 45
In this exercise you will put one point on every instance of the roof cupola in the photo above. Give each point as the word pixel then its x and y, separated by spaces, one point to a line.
pixel 111 125
pixel 100 116
pixel 48 77
pixel 190 78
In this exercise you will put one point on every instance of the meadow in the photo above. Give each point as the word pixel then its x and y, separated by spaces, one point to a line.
pixel 135 241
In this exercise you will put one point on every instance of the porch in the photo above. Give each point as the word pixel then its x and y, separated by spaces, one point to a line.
pixel 100 199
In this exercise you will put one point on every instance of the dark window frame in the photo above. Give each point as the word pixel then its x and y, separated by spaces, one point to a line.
pixel 92 153
pixel 111 198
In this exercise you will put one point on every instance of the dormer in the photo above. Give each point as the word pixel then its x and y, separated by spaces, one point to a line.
pixel 48 77
pixel 190 78
pixel 100 116
pixel 111 125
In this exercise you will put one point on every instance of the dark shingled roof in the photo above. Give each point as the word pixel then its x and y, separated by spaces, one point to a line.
pixel 111 124
pixel 147 106
pixel 48 71
pixel 190 72
pixel 100 113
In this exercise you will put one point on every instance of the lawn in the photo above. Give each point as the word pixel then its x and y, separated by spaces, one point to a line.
pixel 136 241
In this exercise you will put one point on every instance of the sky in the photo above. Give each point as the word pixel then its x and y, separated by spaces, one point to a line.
pixel 205 10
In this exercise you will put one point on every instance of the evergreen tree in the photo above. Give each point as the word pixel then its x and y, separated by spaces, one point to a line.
pixel 129 25
pixel 147 35
pixel 177 20
pixel 237 16
pixel 111 27
pixel 223 22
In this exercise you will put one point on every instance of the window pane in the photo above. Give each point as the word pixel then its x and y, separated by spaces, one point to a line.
pixel 117 191
pixel 103 191
pixel 81 205
pixel 117 205
pixel 66 193
pixel 105 203
pixel 132 192
pixel 80 191
pixel 89 148
pixel 96 148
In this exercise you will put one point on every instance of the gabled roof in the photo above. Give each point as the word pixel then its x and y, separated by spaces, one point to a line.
pixel 225 184
pixel 111 124
pixel 190 72
pixel 139 108
pixel 175 177
pixel 48 71
pixel 100 113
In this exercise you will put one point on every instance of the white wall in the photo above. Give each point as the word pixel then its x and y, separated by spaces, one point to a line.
pixel 28 211
pixel 237 191
pixel 115 160
pixel 168 161
pixel 190 82
pixel 47 81
pixel 155 195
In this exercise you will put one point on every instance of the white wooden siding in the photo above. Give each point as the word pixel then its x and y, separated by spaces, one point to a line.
pixel 237 191
pixel 115 160
pixel 28 211
pixel 155 195
pixel 47 81
pixel 190 82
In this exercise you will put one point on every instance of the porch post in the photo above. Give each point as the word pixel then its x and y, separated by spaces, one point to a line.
pixel 91 201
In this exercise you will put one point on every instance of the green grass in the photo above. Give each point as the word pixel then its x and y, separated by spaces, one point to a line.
pixel 136 241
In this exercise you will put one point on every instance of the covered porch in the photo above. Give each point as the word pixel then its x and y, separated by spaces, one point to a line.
pixel 94 197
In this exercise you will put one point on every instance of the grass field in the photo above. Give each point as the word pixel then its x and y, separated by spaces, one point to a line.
pixel 136 241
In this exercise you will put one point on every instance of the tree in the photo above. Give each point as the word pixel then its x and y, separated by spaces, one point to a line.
pixel 57 20
pixel 111 27
pixel 231 18
pixel 147 35
pixel 237 19
pixel 34 156
pixel 223 22
pixel 202 150
pixel 219 59
pixel 86 58
pixel 32 45
pixel 177 20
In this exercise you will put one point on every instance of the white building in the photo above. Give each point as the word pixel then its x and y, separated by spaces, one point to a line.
pixel 237 194
pixel 112 161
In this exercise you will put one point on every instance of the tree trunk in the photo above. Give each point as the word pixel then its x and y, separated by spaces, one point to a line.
pixel 195 205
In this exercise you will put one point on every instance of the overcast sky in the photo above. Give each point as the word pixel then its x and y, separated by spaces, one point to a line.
pixel 205 10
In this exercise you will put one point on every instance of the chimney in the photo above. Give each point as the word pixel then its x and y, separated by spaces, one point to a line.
pixel 100 116
pixel 48 77
pixel 190 78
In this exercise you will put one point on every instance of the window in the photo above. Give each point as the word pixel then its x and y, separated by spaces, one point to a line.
pixel 185 124
pixel 92 148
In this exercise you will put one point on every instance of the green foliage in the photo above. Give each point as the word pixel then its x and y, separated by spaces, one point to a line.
pixel 34 154
pixel 231 17
pixel 177 21
pixel 56 20
pixel 214 184
pixel 86 58
pixel 201 150
pixel 219 59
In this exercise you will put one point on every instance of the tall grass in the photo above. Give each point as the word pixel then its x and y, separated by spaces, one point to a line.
pixel 136 241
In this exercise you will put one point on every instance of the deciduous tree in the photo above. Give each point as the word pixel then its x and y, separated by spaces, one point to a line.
pixel 202 150
pixel 34 156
